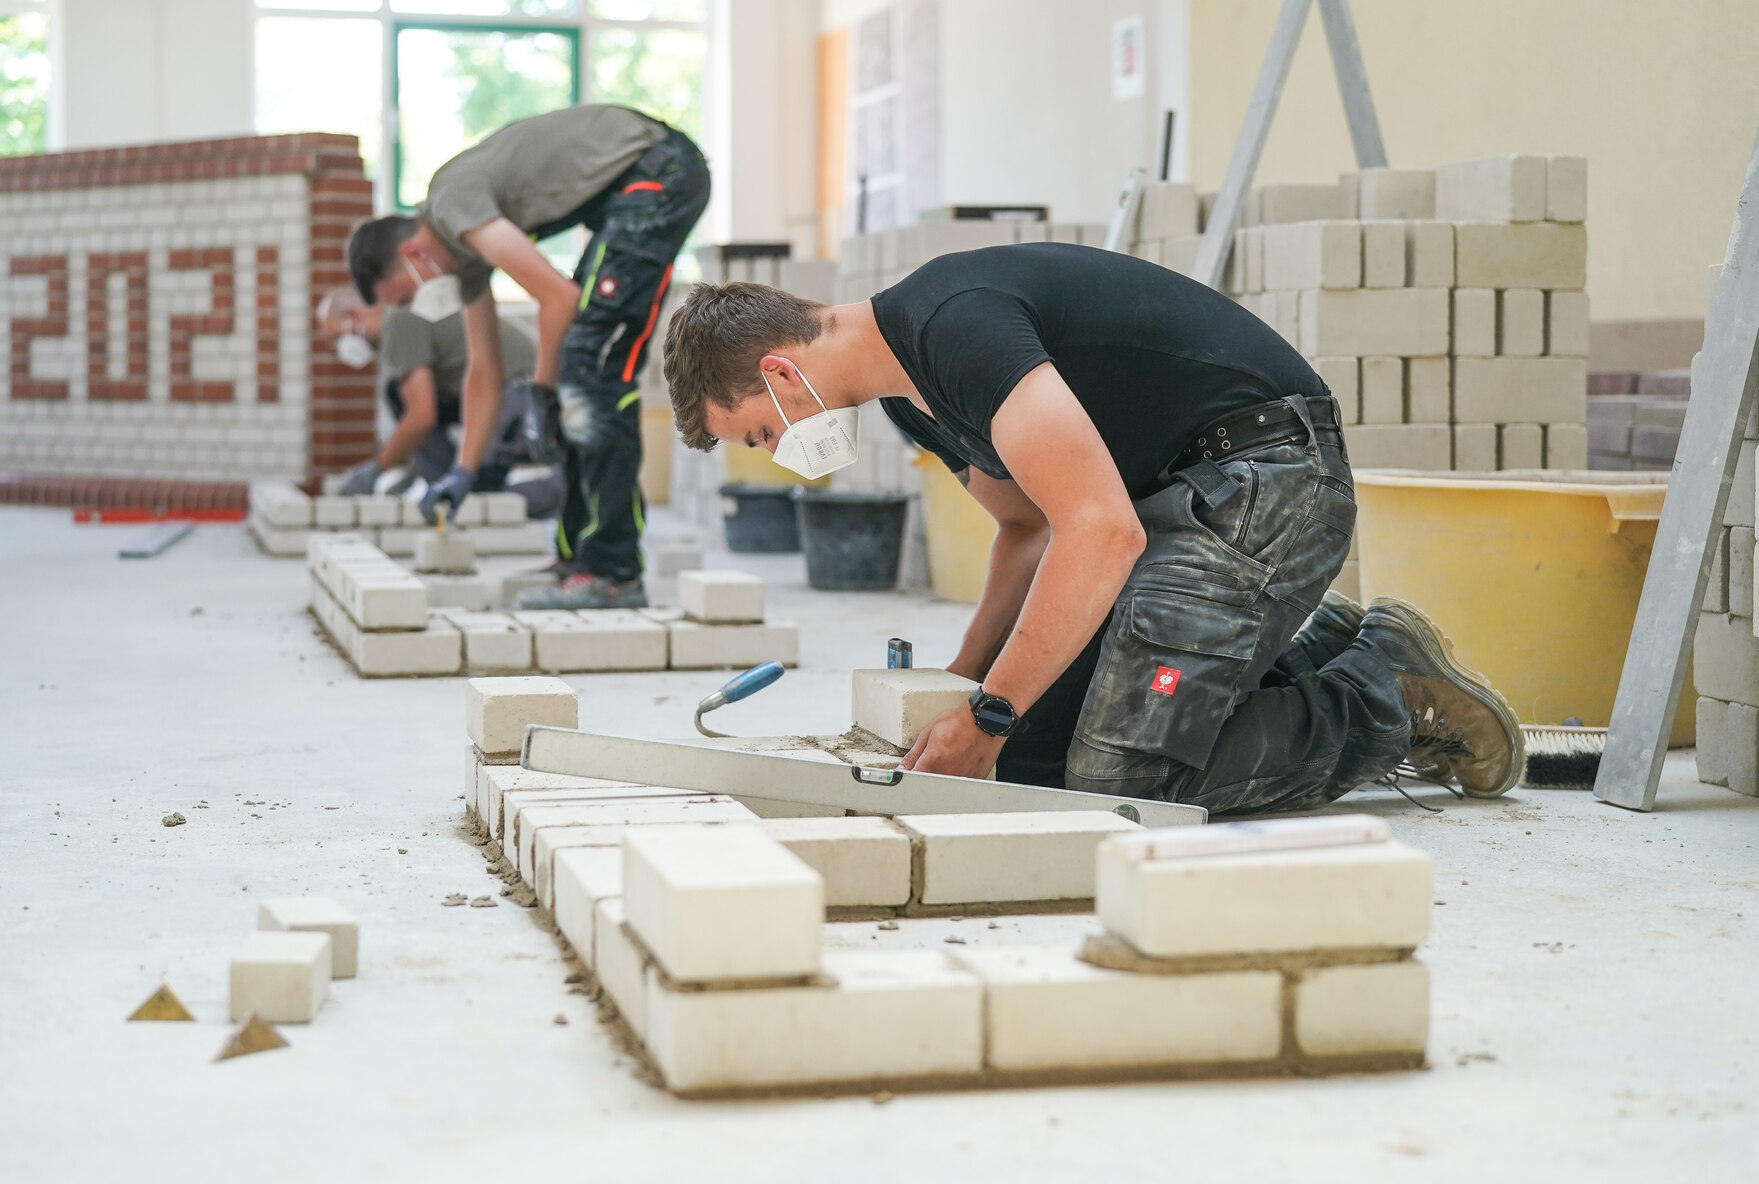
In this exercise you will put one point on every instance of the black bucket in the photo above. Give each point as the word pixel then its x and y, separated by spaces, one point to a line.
pixel 852 540
pixel 759 518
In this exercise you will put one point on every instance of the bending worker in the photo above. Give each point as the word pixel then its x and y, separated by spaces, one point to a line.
pixel 421 376
pixel 639 186
pixel 1172 498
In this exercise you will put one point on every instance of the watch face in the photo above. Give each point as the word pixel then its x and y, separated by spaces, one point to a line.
pixel 994 715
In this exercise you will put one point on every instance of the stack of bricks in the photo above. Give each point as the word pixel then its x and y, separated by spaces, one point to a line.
pixel 720 622
pixel 1725 655
pixel 870 263
pixel 377 613
pixel 1634 419
pixel 1219 957
pixel 771 264
pixel 1444 308
pixel 156 305
pixel 283 519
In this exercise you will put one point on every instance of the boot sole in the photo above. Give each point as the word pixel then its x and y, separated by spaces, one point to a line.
pixel 1438 648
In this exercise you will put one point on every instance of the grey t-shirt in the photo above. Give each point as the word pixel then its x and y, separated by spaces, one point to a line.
pixel 406 342
pixel 534 172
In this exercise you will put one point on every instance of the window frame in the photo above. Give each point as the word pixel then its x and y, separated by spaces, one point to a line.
pixel 580 27
pixel 54 134
pixel 573 32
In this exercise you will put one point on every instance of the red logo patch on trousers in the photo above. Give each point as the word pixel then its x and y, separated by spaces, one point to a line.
pixel 1166 680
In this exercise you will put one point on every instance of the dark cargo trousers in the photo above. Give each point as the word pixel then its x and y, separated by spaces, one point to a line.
pixel 1195 691
pixel 640 223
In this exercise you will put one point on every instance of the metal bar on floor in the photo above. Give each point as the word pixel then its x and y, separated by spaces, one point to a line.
pixel 1697 494
pixel 155 539
pixel 816 783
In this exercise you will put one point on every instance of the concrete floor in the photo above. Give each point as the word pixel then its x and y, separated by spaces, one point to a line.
pixel 1594 1012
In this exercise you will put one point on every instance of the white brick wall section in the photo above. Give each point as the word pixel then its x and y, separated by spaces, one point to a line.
pixel 891 1013
pixel 1313 255
pixel 1566 189
pixel 1361 1010
pixel 864 861
pixel 317 914
pixel 498 710
pixel 619 966
pixel 1369 895
pixel 1492 189
pixel 972 858
pixel 1046 1009
pixel 1532 255
pixel 1395 322
pixel 695 646
pixel 544 832
pixel 583 876
pixel 724 903
pixel 282 977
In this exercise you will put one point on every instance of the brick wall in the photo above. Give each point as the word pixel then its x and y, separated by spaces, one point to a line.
pixel 156 309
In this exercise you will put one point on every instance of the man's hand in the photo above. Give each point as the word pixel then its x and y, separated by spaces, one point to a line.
pixel 953 744
pixel 451 489
pixel 542 429
pixel 361 478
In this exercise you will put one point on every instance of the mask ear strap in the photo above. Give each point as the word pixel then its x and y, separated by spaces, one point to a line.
pixel 772 391
pixel 813 391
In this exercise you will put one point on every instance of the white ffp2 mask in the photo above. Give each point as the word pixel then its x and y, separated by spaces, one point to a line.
pixel 354 350
pixel 821 443
pixel 435 299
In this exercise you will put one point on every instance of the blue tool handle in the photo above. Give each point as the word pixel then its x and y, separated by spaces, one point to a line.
pixel 751 682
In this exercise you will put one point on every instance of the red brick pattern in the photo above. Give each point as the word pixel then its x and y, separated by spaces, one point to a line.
pixel 191 160
pixel 100 266
pixel 342 415
pixel 112 493
pixel 217 262
pixel 268 324
pixel 53 324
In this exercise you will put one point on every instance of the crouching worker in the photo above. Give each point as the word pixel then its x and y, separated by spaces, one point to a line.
pixel 639 186
pixel 421 376
pixel 1172 498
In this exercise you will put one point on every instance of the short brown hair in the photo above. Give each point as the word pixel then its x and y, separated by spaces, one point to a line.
pixel 714 342
pixel 372 249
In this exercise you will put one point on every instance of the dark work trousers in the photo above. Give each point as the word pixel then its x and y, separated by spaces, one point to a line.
pixel 1194 691
pixel 639 224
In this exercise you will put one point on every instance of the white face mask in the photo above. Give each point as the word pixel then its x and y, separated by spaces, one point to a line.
pixel 354 350
pixel 820 443
pixel 435 299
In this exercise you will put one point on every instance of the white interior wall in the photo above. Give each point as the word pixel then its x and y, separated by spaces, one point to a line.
pixel 142 70
pixel 765 81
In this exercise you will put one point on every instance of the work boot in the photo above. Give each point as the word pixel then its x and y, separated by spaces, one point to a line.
pixel 581 590
pixel 1331 629
pixel 1458 720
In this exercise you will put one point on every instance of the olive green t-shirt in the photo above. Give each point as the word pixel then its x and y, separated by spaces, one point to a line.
pixel 534 172
pixel 407 342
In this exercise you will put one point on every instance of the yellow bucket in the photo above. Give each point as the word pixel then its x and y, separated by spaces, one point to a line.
pixel 959 533
pixel 1535 575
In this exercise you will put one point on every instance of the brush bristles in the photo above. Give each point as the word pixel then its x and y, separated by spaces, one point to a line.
pixel 1563 758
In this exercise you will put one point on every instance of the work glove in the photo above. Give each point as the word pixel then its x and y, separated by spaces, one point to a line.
pixel 361 478
pixel 451 489
pixel 543 424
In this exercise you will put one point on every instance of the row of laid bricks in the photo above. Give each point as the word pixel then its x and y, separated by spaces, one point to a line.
pixel 112 493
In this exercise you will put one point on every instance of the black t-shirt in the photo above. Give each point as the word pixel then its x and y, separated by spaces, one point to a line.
pixel 1152 355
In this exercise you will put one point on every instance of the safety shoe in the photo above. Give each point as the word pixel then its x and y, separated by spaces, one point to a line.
pixel 1458 720
pixel 585 591
pixel 1330 630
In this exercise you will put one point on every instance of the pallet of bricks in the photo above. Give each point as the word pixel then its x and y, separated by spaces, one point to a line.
pixel 283 519
pixel 379 616
pixel 1443 307
pixel 704 929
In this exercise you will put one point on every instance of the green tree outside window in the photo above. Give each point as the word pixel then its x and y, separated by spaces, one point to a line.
pixel 24 83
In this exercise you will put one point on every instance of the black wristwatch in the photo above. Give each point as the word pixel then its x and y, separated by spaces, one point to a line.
pixel 994 714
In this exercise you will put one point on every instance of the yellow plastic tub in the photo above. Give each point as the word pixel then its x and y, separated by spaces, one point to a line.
pixel 959 533
pixel 1534 575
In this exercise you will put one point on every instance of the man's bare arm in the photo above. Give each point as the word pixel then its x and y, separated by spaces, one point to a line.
pixel 1049 444
pixel 1021 535
pixel 420 414
pixel 482 380
pixel 509 248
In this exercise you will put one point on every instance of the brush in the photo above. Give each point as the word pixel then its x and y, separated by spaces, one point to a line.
pixel 1562 757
